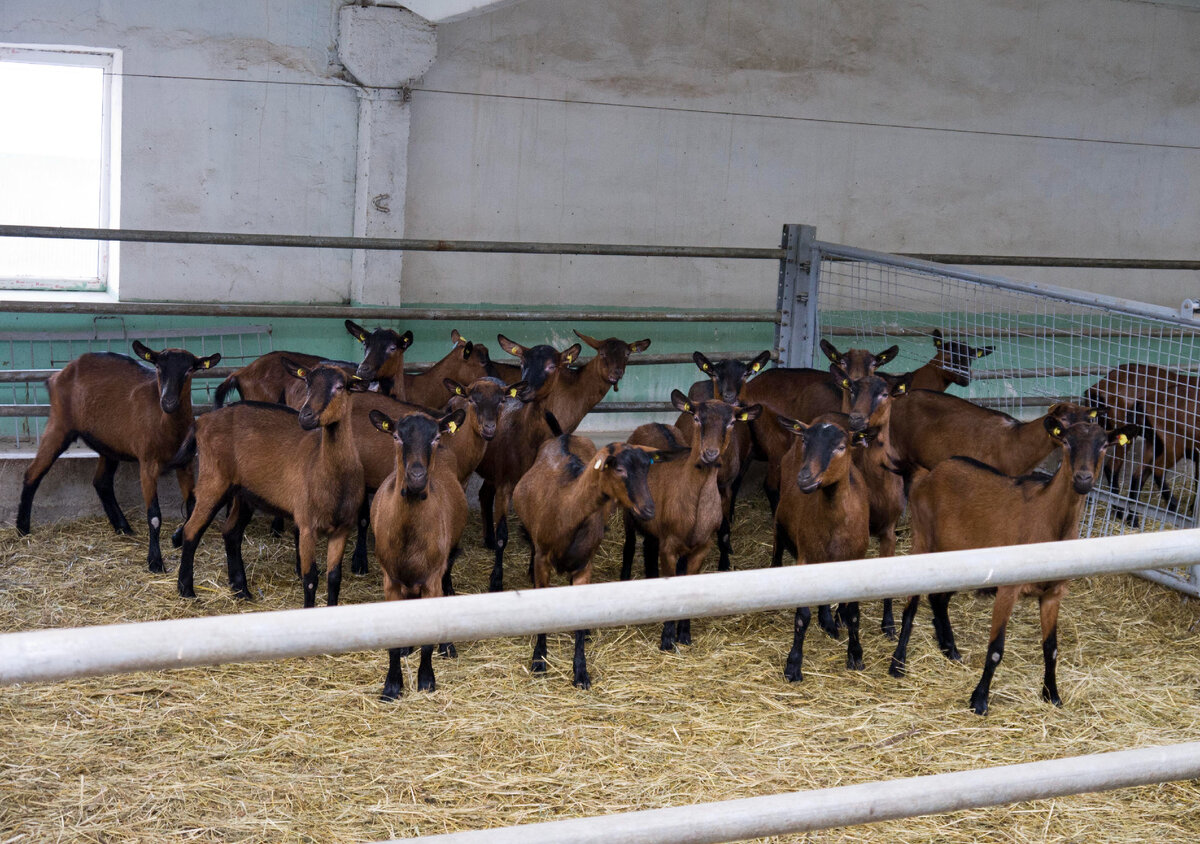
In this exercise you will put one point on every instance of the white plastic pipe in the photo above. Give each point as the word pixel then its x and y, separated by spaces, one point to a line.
pixel 254 637
pixel 804 811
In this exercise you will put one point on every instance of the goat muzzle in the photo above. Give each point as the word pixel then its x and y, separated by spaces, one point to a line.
pixel 309 420
pixel 644 513
pixel 1083 483
pixel 858 423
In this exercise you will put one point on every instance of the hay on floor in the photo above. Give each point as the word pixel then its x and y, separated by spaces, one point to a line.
pixel 304 750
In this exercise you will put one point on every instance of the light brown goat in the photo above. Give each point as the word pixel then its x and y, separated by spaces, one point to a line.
pixel 304 466
pixel 564 502
pixel 465 363
pixel 687 500
pixel 418 517
pixel 965 504
pixel 123 411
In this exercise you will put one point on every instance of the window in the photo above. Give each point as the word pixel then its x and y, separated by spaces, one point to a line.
pixel 59 163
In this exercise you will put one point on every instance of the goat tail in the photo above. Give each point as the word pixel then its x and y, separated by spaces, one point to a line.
pixel 223 389
pixel 187 451
pixel 552 421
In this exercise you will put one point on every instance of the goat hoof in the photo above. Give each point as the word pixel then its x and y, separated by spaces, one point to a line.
pixel 177 537
pixel 1051 697
pixel 793 674
pixel 583 681
pixel 890 632
pixel 538 666
pixel 979 704
pixel 156 566
pixel 186 591
pixel 358 568
pixel 429 685
pixel 855 663
pixel 496 584
pixel 390 694
pixel 447 650
pixel 124 529
pixel 953 655
pixel 243 594
pixel 897 668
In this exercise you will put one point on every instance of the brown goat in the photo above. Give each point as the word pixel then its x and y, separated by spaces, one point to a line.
pixel 579 390
pixel 951 364
pixel 1165 406
pixel 564 502
pixel 303 465
pixel 803 394
pixel 726 379
pixel 823 516
pixel 686 495
pixel 928 428
pixel 465 363
pixel 383 357
pixel 418 517
pixel 266 379
pixel 965 504
pixel 123 411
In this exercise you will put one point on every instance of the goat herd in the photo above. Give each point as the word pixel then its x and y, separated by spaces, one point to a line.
pixel 847 450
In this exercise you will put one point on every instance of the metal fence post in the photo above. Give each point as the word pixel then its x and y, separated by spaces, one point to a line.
pixel 799 272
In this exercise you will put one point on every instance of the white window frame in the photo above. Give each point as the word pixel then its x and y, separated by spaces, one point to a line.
pixel 108 60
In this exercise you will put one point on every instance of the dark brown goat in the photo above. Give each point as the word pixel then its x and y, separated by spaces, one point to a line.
pixel 383 357
pixel 951 364
pixel 123 411
pixel 1163 404
pixel 965 504
pixel 803 394
pixel 564 502
pixel 266 379
pixel 304 466
pixel 554 387
pixel 418 517
pixel 686 495
pixel 725 382
pixel 823 516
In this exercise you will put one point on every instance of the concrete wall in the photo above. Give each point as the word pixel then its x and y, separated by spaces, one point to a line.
pixel 258 135
pixel 1055 127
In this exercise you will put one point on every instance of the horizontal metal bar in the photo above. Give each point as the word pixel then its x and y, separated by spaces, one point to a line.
pixel 42 655
pixel 1045 291
pixel 1044 261
pixel 1184 585
pixel 150 334
pixel 1098 333
pixel 363 312
pixel 389 243
pixel 869 802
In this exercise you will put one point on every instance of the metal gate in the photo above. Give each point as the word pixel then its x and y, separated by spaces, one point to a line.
pixel 1051 344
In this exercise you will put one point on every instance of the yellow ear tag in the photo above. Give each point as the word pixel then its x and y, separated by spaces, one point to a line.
pixel 845 382
pixel 452 426
pixel 979 353
pixel 146 356
pixel 599 463
pixel 1057 431
pixel 207 363
pixel 705 367
pixel 1092 415
pixel 903 388
pixel 755 368
pixel 1122 440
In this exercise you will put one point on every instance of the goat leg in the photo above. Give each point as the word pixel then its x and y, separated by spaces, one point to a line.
pixel 887 622
pixel 393 684
pixel 848 612
pixel 827 621
pixel 900 655
pixel 580 678
pixel 940 603
pixel 425 680
pixel 358 561
pixel 792 670
pixel 538 664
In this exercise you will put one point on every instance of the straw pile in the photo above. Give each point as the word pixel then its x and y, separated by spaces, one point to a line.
pixel 304 750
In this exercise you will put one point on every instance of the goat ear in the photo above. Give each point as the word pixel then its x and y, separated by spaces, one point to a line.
pixel 294 369
pixel 208 362
pixel 902 384
pixel 702 363
pixel 937 338
pixel 454 387
pixel 840 375
pixel 640 345
pixel 749 414
pixel 1123 435
pixel 794 426
pixel 666 455
pixel 144 352
pixel 571 355
pixel 406 340
pixel 760 361
pixel 1054 427
pixel 515 391
pixel 381 421
pixel 984 352
pixel 451 422
pixel 357 331
pixel 355 384
pixel 514 349
pixel 886 355
pixel 591 341
pixel 680 402
pixel 467 348
pixel 456 338
pixel 830 352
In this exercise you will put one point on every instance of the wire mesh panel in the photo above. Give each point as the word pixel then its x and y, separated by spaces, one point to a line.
pixel 35 354
pixel 1138 363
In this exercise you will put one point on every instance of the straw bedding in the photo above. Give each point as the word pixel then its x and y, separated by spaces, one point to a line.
pixel 304 750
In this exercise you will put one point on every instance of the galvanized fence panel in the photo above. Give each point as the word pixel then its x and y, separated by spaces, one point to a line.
pixel 1050 345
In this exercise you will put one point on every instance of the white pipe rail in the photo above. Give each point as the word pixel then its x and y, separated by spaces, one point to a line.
pixel 44 655
pixel 805 811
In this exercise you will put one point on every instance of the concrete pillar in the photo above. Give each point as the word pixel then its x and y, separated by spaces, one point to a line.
pixel 385 49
